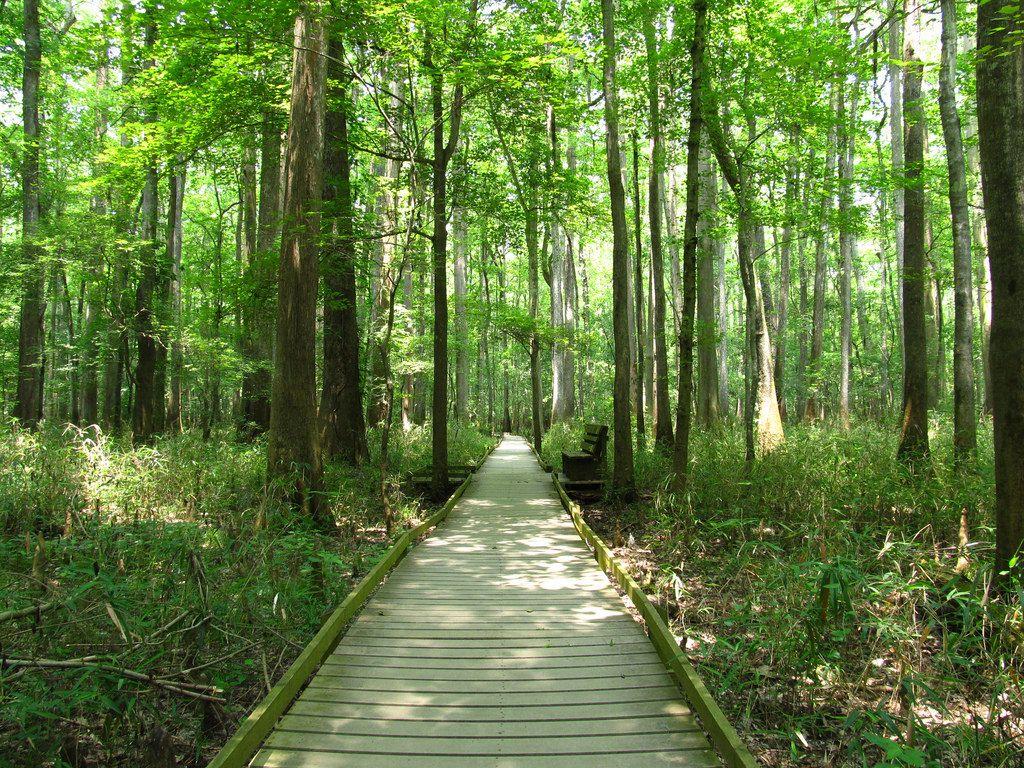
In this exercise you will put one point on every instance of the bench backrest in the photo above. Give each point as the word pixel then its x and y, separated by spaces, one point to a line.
pixel 595 442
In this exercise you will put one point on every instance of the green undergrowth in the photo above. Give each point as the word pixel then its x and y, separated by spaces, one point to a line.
pixel 174 561
pixel 819 597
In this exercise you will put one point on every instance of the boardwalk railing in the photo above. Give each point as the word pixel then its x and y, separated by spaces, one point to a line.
pixel 241 747
pixel 724 737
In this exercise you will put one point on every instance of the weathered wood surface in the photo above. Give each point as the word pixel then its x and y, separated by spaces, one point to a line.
pixel 496 643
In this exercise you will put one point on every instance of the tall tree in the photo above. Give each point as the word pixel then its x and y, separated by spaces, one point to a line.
pixel 292 446
pixel 92 320
pixel 622 471
pixel 638 343
pixel 1000 71
pixel 146 397
pixel 763 424
pixel 847 243
pixel 460 231
pixel 814 407
pixel 662 410
pixel 785 272
pixel 563 297
pixel 175 209
pixel 444 146
pixel 707 343
pixel 896 132
pixel 261 282
pixel 913 448
pixel 964 419
pixel 681 454
pixel 532 210
pixel 342 429
pixel 28 408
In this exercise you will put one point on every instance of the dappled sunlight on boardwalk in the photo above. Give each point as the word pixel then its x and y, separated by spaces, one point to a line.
pixel 497 643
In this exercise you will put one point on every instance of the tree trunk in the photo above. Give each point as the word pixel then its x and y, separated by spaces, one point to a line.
pixel 785 268
pixel 386 249
pixel 1001 130
pixel 662 410
pixel 533 266
pixel 91 325
pixel 28 408
pixel 723 320
pixel 668 195
pixel 485 333
pixel 896 141
pixel 439 259
pixel 707 344
pixel 638 311
pixel 461 235
pixel 681 455
pixel 913 448
pixel 292 448
pixel 174 240
pixel 443 152
pixel 342 429
pixel 622 472
pixel 763 424
pixel 801 363
pixel 146 396
pixel 563 302
pixel 964 420
pixel 261 280
pixel 814 408
pixel 847 245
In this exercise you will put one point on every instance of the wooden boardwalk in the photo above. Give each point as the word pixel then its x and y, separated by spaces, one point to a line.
pixel 497 643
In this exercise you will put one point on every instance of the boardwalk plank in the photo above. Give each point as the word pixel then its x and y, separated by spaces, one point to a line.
pixel 496 643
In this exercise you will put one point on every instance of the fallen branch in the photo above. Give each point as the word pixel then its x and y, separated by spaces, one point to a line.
pixel 37 609
pixel 192 690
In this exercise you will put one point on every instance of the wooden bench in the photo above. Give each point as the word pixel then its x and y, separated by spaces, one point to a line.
pixel 583 470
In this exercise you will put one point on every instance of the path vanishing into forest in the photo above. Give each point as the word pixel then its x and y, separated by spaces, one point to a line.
pixel 496 642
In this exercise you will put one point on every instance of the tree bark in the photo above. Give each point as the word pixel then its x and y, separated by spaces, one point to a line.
pixel 533 277
pixel 964 420
pixel 293 454
pixel 913 447
pixel 785 269
pixel 847 245
pixel 814 407
pixel 444 149
pixel 662 410
pixel 763 424
pixel 342 429
pixel 707 343
pixel 641 400
pixel 260 280
pixel 28 408
pixel 1000 72
pixel 146 396
pixel 91 325
pixel 896 142
pixel 622 472
pixel 174 240
pixel 563 301
pixel 723 320
pixel 461 235
pixel 684 414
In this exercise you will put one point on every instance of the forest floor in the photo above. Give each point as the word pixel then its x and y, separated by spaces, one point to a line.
pixel 172 562
pixel 817 596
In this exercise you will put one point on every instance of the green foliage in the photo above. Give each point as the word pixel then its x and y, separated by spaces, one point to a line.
pixel 818 595
pixel 181 545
